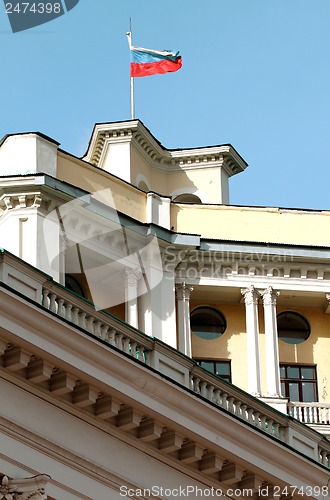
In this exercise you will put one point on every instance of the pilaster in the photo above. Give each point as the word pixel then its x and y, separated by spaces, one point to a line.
pixel 132 277
pixel 184 335
pixel 272 357
pixel 251 297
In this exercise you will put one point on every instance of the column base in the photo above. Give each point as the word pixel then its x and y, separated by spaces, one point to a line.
pixel 279 403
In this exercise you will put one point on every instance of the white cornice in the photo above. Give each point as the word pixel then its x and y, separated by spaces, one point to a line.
pixel 158 157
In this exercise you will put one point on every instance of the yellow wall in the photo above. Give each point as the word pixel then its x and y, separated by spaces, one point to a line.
pixel 232 345
pixel 128 199
pixel 252 224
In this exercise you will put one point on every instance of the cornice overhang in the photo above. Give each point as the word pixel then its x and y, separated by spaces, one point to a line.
pixel 159 157
pixel 168 409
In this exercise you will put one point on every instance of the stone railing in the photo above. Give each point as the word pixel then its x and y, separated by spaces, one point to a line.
pixel 31 283
pixel 310 413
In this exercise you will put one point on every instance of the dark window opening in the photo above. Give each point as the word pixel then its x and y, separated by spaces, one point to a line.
pixel 292 327
pixel 207 323
pixel 220 368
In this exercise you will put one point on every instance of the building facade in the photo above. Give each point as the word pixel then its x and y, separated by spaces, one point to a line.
pixel 147 324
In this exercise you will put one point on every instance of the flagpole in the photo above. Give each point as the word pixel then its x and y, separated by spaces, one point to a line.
pixel 129 38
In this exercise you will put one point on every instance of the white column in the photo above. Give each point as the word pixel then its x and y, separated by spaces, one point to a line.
pixel 272 358
pixel 251 296
pixel 184 335
pixel 132 277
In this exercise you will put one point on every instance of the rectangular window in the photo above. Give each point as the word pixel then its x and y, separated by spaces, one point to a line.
pixel 299 383
pixel 217 367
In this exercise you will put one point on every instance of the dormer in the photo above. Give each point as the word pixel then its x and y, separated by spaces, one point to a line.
pixel 197 175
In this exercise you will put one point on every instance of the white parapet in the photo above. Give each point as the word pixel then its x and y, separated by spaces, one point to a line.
pixel 28 154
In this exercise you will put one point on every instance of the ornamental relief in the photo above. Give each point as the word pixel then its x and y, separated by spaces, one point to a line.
pixel 24 489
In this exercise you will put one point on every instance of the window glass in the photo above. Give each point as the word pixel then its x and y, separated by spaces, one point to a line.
pixel 308 372
pixel 292 327
pixel 308 391
pixel 293 372
pixel 207 323
pixel 220 368
pixel 294 391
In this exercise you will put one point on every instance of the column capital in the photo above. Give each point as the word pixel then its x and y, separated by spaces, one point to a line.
pixel 132 276
pixel 31 488
pixel 251 295
pixel 269 296
pixel 183 291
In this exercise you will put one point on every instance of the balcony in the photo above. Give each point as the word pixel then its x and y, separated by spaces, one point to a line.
pixel 315 415
pixel 42 293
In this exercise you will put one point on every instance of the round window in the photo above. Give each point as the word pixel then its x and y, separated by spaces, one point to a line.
pixel 292 327
pixel 207 323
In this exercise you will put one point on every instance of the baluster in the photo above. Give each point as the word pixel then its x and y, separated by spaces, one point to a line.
pixel 119 340
pixel 256 416
pixel 82 320
pixel 224 402
pixel 276 430
pixel 126 344
pixel 204 389
pixel 74 316
pixel 142 354
pixel 270 428
pixel 191 381
pixel 300 414
pixel 231 404
pixel 104 332
pixel 263 425
pixel 238 407
pixel 68 312
pixel 133 349
pixel 324 459
pixel 217 397
pixel 112 337
pixel 52 302
pixel 45 300
pixel 210 392
pixel 250 415
pixel 60 308
pixel 196 384
pixel 97 328
pixel 243 411
pixel 89 324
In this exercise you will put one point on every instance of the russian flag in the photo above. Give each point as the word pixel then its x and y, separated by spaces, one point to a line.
pixel 146 62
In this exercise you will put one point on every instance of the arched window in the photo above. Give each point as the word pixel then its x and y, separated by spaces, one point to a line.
pixel 292 327
pixel 73 285
pixel 207 323
pixel 187 198
pixel 143 186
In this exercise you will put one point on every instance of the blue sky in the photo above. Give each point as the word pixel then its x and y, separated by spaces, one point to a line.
pixel 255 74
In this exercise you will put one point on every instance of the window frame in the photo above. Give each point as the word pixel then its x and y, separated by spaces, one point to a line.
pixel 300 380
pixel 226 377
